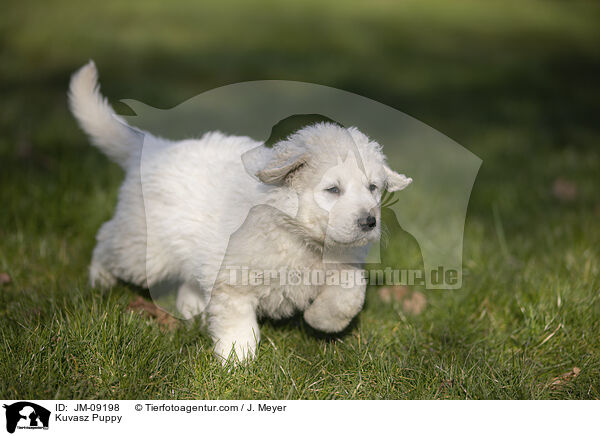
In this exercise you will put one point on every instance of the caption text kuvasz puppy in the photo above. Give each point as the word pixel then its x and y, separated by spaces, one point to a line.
pixel 310 202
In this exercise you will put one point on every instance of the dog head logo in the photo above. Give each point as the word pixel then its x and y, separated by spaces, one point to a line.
pixel 346 193
pixel 26 415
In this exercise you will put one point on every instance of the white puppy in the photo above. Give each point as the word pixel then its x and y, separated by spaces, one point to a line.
pixel 200 211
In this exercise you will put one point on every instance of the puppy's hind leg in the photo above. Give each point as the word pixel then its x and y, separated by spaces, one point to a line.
pixel 100 271
pixel 100 276
pixel 191 300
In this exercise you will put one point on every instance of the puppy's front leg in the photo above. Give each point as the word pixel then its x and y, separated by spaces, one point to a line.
pixel 335 307
pixel 232 325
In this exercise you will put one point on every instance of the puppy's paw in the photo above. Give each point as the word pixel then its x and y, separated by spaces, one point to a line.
pixel 334 308
pixel 240 350
pixel 100 277
pixel 325 321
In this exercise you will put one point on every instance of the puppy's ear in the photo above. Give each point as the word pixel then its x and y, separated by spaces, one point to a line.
pixel 395 181
pixel 285 159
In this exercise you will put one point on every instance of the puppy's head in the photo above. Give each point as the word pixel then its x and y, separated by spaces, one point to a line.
pixel 339 176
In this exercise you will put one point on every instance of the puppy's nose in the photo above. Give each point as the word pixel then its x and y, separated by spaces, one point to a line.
pixel 367 223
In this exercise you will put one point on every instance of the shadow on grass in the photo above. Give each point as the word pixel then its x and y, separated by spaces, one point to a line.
pixel 297 323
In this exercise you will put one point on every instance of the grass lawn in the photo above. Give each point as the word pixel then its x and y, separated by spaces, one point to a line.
pixel 515 82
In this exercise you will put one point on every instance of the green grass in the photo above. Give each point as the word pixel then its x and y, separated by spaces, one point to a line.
pixel 514 82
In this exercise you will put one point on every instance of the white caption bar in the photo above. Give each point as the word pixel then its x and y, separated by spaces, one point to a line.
pixel 23 417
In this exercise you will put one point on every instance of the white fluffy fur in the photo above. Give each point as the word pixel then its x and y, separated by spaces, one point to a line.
pixel 188 210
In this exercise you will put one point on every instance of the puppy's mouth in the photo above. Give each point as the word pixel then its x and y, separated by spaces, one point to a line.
pixel 360 242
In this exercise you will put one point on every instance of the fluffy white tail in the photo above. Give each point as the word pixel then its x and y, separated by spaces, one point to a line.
pixel 107 131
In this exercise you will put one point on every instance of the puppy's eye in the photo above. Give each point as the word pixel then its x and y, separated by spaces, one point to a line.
pixel 333 190
pixel 372 187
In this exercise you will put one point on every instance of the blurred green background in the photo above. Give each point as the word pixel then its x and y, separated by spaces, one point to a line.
pixel 515 82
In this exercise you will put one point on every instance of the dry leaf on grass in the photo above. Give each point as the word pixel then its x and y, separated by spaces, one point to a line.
pixel 415 304
pixel 561 380
pixel 564 190
pixel 151 310
pixel 395 293
pixel 412 302
pixel 385 294
pixel 4 278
